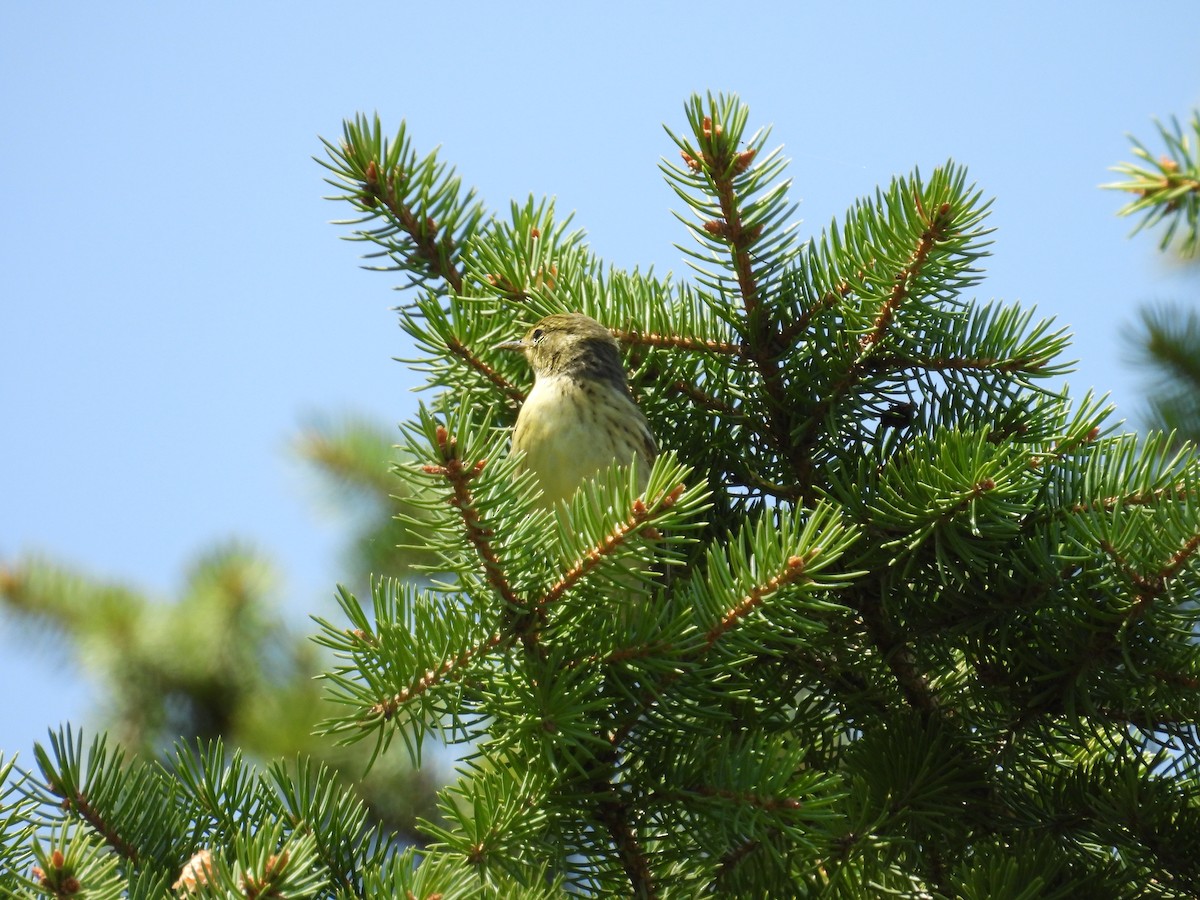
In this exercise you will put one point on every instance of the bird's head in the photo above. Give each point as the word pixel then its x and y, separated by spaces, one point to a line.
pixel 570 344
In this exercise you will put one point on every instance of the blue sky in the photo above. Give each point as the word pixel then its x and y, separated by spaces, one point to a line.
pixel 174 304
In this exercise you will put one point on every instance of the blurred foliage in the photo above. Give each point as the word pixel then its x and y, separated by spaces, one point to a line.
pixel 219 659
pixel 1165 346
pixel 1164 342
pixel 347 453
pixel 1166 189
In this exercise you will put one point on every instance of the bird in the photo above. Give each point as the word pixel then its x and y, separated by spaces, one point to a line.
pixel 579 416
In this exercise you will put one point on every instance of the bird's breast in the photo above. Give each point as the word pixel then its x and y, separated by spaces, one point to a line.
pixel 570 429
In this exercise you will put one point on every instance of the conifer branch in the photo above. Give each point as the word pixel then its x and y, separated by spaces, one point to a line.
pixel 722 168
pixel 526 620
pixel 898 657
pixel 894 363
pixel 1149 588
pixel 91 790
pixel 700 398
pixel 744 798
pixel 903 280
pixel 734 857
pixel 431 249
pixel 387 181
pixel 620 655
pixel 78 802
pixel 450 669
pixel 1166 188
pixel 1179 559
pixel 803 322
pixel 465 353
pixel 679 342
pixel 1180 492
pixel 480 536
pixel 794 570
pixel 613 813
pixel 634 523
pixel 763 345
pixel 788 492
pixel 806 436
pixel 704 400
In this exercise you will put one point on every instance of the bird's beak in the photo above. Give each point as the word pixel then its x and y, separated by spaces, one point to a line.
pixel 518 346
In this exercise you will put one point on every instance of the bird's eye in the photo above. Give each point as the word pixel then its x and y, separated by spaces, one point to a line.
pixel 536 335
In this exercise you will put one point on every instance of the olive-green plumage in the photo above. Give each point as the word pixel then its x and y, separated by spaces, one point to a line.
pixel 579 416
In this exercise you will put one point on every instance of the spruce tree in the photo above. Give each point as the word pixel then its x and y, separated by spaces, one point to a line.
pixel 928 625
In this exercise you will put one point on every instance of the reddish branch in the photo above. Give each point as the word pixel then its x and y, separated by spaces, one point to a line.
pixel 763 343
pixel 1177 492
pixel 902 285
pixel 449 669
pixel 528 622
pixel 463 352
pixel 793 571
pixel 678 342
pixel 1149 589
pixel 639 514
pixel 423 234
pixel 614 812
pixel 1180 558
pixel 480 536
pixel 80 803
pixel 652 650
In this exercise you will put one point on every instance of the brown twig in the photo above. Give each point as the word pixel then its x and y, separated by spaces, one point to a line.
pixel 463 352
pixel 423 234
pixel 639 514
pixel 80 803
pixel 1137 498
pixel 528 623
pixel 613 813
pixel 763 342
pixel 449 669
pixel 793 571
pixel 678 342
pixel 902 283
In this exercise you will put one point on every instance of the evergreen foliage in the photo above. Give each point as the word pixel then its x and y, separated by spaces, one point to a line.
pixel 218 658
pixel 1166 337
pixel 928 633
pixel 1166 190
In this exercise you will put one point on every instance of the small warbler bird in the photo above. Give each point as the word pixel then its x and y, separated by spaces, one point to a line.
pixel 579 417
